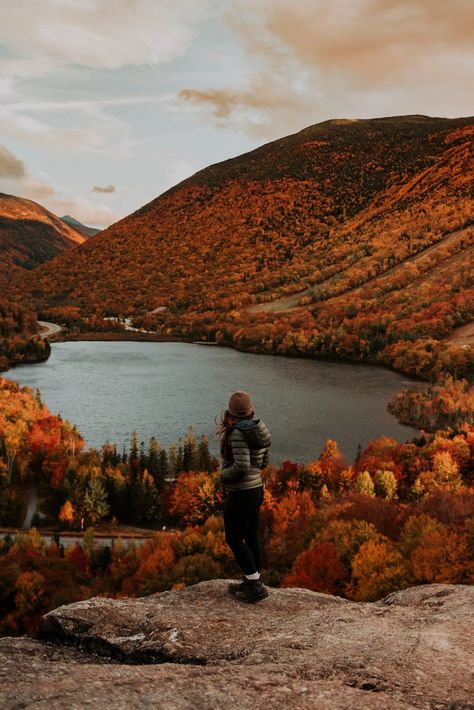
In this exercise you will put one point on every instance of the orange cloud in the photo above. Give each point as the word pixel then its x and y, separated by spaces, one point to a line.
pixel 10 166
pixel 318 59
pixel 370 40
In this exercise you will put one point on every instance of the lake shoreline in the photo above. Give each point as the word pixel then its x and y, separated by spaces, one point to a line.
pixel 124 336
pixel 178 387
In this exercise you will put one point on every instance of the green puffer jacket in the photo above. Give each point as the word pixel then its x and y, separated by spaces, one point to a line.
pixel 249 443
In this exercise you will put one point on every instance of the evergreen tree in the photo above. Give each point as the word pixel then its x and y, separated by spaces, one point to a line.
pixel 142 456
pixel 203 456
pixel 164 469
pixel 172 460
pixel 189 451
pixel 179 459
pixel 137 502
pixel 152 506
pixel 133 453
pixel 106 455
pixel 153 460
pixel 124 457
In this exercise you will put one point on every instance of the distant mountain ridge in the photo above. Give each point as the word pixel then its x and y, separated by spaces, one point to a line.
pixel 78 226
pixel 30 234
pixel 300 236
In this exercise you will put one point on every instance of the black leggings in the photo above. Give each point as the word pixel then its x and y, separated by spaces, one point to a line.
pixel 241 518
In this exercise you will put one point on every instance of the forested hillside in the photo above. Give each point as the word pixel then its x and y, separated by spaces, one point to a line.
pixel 399 515
pixel 20 340
pixel 30 234
pixel 350 239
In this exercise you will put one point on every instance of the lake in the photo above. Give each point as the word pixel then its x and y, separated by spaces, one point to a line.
pixel 109 389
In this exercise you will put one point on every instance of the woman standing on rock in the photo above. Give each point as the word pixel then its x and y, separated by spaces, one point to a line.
pixel 244 443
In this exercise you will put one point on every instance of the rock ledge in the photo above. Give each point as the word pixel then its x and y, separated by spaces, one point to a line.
pixel 200 648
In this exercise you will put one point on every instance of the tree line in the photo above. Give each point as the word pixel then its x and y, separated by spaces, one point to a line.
pixel 398 515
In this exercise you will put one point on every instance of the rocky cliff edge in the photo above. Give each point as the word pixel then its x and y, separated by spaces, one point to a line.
pixel 199 648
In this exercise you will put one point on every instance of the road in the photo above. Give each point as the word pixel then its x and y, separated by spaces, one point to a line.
pixel 68 540
pixel 32 491
pixel 48 329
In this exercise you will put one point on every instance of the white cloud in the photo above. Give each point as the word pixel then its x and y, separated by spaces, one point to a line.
pixel 102 134
pixel 100 34
pixel 16 180
pixel 27 186
pixel 71 38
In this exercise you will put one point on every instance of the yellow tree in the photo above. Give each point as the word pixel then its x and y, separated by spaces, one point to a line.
pixel 377 570
pixel 441 556
pixel 365 484
pixel 444 473
pixel 67 513
pixel 385 484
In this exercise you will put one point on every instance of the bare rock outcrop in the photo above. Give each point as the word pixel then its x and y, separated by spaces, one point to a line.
pixel 200 648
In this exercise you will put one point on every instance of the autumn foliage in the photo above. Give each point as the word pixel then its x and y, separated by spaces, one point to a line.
pixel 347 240
pixel 399 515
pixel 20 341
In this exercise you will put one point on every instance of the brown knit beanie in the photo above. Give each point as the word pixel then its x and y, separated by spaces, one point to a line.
pixel 240 404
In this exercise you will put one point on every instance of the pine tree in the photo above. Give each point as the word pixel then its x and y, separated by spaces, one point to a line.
pixel 124 457
pixel 153 458
pixel 179 459
pixel 173 460
pixel 142 456
pixel 164 468
pixel 189 451
pixel 203 456
pixel 133 454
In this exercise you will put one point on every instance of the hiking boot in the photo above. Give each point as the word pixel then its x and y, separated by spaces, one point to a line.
pixel 235 587
pixel 253 591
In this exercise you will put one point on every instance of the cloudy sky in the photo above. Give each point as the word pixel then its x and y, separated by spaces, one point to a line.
pixel 104 104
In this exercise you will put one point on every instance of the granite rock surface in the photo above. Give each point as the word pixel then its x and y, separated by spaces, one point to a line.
pixel 200 648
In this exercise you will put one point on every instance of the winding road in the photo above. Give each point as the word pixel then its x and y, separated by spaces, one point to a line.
pixel 48 329
pixel 32 491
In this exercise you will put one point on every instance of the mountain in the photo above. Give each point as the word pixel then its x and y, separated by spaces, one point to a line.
pixel 79 227
pixel 30 235
pixel 345 239
pixel 20 340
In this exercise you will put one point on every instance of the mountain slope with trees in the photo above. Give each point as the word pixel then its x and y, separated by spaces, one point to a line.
pixel 292 248
pixel 30 234
pixel 20 340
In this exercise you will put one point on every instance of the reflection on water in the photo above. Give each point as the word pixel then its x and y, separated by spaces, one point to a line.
pixel 110 389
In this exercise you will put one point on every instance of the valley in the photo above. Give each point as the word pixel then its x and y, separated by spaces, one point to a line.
pixel 349 240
